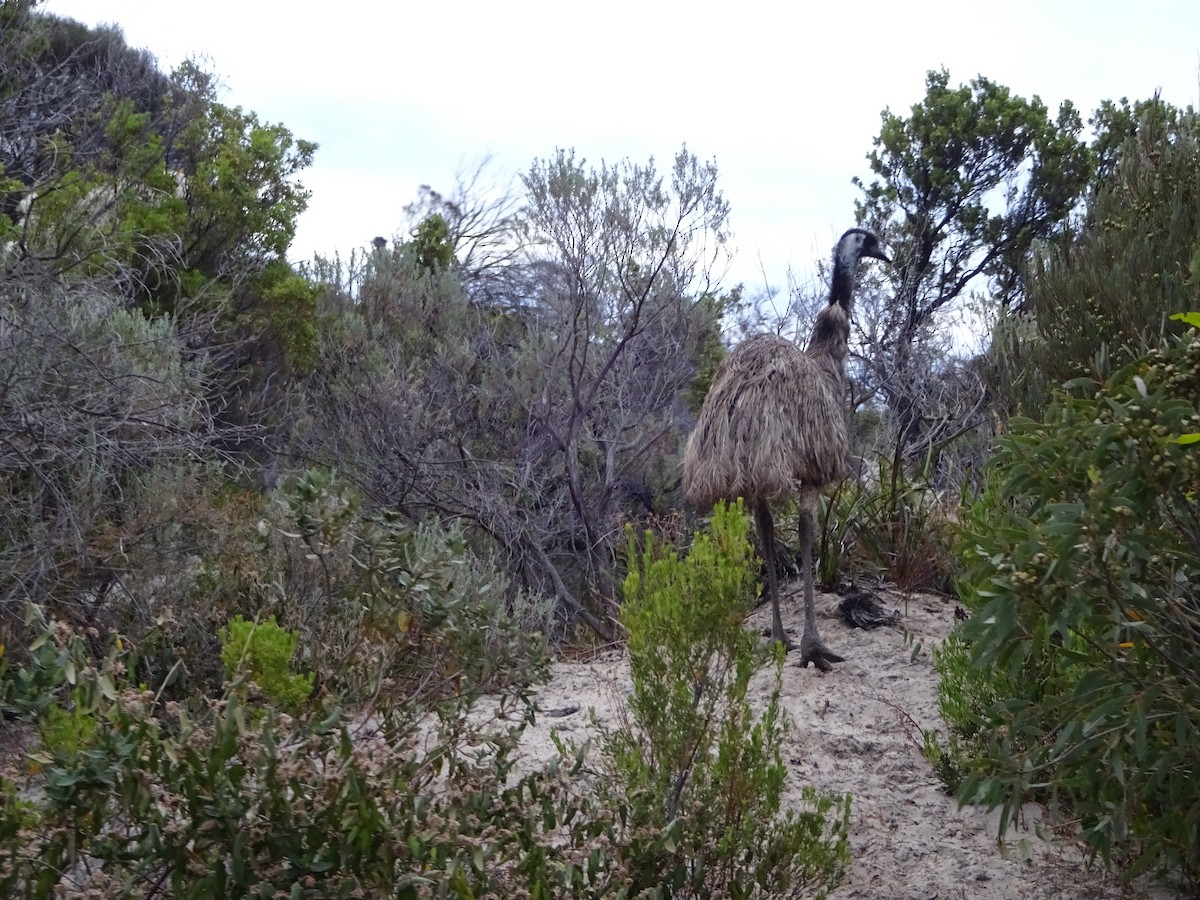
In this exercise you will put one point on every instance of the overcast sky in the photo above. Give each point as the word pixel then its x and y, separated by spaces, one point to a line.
pixel 786 97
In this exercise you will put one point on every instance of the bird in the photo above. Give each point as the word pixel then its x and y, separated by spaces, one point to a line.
pixel 773 425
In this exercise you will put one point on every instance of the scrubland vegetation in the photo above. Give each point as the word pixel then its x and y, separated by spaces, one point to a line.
pixel 269 532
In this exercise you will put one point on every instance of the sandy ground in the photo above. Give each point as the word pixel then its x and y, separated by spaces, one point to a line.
pixel 855 729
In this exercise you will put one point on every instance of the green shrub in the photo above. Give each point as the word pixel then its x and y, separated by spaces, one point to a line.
pixel 1084 558
pixel 165 803
pixel 694 772
pixel 1104 291
pixel 966 695
pixel 28 691
pixel 263 652
pixel 66 732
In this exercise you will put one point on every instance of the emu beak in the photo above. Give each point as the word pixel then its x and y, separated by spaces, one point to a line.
pixel 876 252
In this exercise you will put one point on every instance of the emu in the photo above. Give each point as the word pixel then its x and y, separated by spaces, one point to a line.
pixel 774 422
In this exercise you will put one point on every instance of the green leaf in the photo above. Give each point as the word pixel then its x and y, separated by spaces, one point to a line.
pixel 104 682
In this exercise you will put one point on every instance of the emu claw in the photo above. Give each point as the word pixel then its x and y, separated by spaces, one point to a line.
pixel 820 656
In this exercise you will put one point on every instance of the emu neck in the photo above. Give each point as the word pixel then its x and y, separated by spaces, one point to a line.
pixel 842 288
pixel 827 344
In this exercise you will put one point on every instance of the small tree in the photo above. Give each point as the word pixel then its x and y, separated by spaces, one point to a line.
pixel 624 257
pixel 1106 291
pixel 940 174
pixel 545 418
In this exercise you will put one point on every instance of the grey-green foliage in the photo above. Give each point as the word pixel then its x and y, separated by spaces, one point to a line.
pixel 419 401
pixel 411 601
pixel 138 797
pixel 397 386
pixel 622 254
pixel 542 417
pixel 94 398
pixel 145 315
pixel 180 791
pixel 1106 290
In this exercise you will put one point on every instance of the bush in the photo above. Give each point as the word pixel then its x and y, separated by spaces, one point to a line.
pixel 160 803
pixel 966 695
pixel 1104 292
pixel 111 403
pixel 401 787
pixel 372 596
pixel 390 780
pixel 694 771
pixel 1087 622
pixel 262 651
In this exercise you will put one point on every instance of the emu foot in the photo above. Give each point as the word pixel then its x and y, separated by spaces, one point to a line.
pixel 819 655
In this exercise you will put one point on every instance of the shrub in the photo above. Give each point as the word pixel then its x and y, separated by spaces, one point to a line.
pixel 162 803
pixel 421 796
pixel 392 782
pixel 694 772
pixel 113 404
pixel 263 652
pixel 374 597
pixel 437 618
pixel 1104 291
pixel 966 695
pixel 1084 566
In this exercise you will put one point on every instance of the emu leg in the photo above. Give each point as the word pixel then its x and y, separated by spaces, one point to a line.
pixel 766 534
pixel 812 650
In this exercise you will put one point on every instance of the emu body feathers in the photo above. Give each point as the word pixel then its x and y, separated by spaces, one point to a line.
pixel 756 436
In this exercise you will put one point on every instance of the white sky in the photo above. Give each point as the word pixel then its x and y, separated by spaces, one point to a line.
pixel 786 99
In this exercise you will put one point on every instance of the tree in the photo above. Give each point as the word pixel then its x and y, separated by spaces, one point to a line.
pixel 431 243
pixel 481 222
pixel 1108 286
pixel 238 181
pixel 546 414
pixel 110 164
pixel 964 187
pixel 55 76
pixel 144 298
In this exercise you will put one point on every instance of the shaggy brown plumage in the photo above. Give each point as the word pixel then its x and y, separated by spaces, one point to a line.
pixel 754 437
pixel 774 424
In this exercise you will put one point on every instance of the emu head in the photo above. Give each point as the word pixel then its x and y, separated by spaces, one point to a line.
pixel 852 247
